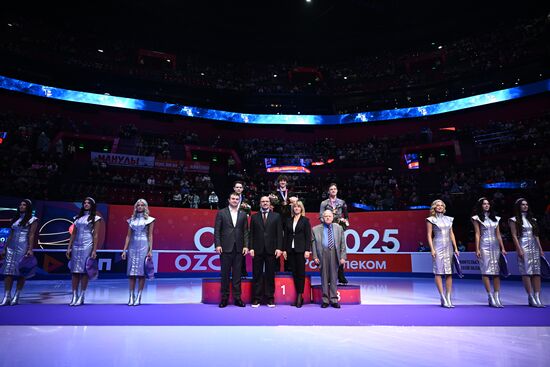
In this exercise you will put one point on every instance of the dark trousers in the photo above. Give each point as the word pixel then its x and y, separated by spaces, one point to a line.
pixel 298 265
pixel 244 273
pixel 263 270
pixel 231 263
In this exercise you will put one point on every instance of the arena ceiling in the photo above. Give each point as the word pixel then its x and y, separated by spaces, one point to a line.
pixel 269 28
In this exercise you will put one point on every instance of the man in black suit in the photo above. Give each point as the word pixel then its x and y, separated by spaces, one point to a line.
pixel 231 242
pixel 266 243
pixel 282 200
pixel 238 187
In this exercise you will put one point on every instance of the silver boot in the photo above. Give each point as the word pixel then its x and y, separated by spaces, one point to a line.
pixel 74 298
pixel 497 300
pixel 131 299
pixel 449 302
pixel 532 301
pixel 536 296
pixel 80 300
pixel 7 299
pixel 444 302
pixel 15 299
pixel 491 300
pixel 137 301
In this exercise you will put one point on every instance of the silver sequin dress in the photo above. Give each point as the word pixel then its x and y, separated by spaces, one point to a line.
pixel 530 264
pixel 441 229
pixel 138 247
pixel 489 247
pixel 83 243
pixel 17 247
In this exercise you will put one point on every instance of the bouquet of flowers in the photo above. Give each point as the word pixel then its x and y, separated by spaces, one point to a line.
pixel 274 199
pixel 245 207
pixel 343 222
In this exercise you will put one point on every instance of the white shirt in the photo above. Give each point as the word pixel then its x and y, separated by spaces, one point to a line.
pixel 234 214
pixel 293 230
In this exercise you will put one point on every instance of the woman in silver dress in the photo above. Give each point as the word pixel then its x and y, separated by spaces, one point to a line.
pixel 19 244
pixel 442 245
pixel 489 246
pixel 82 245
pixel 139 243
pixel 525 232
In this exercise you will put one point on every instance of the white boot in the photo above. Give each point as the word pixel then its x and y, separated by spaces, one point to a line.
pixel 531 301
pixel 449 302
pixel 80 300
pixel 497 300
pixel 137 301
pixel 491 300
pixel 444 302
pixel 74 298
pixel 15 299
pixel 536 296
pixel 131 299
pixel 7 299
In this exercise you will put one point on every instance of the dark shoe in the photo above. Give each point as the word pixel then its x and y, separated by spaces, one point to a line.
pixel 223 303
pixel 239 303
pixel 299 301
pixel 335 305
pixel 342 280
pixel 255 304
pixel 324 305
pixel 341 277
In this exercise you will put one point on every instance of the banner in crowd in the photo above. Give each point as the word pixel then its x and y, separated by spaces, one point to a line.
pixel 187 166
pixel 113 159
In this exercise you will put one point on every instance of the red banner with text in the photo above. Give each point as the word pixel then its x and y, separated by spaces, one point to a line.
pixel 193 229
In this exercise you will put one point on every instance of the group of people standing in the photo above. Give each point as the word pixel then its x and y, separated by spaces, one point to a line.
pixel 81 250
pixel 489 250
pixel 279 229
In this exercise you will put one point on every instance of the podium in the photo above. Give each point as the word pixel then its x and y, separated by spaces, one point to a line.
pixel 211 291
pixel 347 294
pixel 285 293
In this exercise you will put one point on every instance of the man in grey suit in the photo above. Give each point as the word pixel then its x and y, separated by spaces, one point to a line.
pixel 231 242
pixel 329 251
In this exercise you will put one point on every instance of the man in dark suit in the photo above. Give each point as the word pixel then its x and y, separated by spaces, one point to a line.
pixel 266 243
pixel 282 200
pixel 231 242
pixel 329 251
pixel 238 187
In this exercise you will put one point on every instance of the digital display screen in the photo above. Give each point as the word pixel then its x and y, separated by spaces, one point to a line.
pixel 287 165
pixel 274 119
pixel 412 160
pixel 4 234
pixel 527 184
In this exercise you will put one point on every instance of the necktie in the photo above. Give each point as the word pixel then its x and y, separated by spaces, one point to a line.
pixel 330 237
pixel 264 216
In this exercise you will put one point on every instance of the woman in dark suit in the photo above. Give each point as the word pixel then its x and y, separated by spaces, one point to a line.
pixel 297 247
